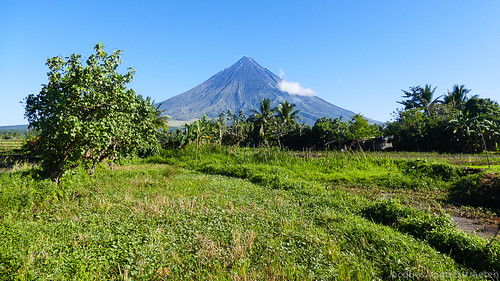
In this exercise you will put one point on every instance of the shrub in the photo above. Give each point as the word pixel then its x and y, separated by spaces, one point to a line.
pixel 481 190
pixel 387 212
pixel 426 168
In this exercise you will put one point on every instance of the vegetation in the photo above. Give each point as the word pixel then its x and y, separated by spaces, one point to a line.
pixel 458 124
pixel 207 206
pixel 85 114
pixel 237 213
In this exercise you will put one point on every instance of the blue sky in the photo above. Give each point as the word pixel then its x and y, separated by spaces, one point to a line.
pixel 355 54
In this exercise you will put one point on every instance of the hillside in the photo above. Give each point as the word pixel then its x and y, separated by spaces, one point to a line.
pixel 241 87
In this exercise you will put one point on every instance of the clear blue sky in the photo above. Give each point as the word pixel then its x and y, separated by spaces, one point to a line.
pixel 355 54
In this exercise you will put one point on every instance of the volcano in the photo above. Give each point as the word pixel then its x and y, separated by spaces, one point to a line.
pixel 241 87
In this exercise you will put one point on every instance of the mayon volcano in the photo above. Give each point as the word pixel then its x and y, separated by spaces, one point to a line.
pixel 241 87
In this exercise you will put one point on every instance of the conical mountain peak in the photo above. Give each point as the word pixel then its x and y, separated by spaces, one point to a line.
pixel 246 63
pixel 246 59
pixel 241 87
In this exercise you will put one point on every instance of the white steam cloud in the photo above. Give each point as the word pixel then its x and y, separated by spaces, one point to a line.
pixel 294 88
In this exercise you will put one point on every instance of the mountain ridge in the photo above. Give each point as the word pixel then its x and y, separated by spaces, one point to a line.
pixel 241 87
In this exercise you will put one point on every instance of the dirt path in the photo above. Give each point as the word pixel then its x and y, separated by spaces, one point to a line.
pixel 486 229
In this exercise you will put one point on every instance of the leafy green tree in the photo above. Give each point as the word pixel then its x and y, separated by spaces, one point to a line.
pixel 360 129
pixel 86 114
pixel 238 129
pixel 330 132
pixel 161 119
pixel 407 130
pixel 483 109
pixel 299 137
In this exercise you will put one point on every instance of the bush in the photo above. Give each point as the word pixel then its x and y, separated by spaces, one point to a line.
pixel 387 212
pixel 468 250
pixel 481 190
pixel 426 168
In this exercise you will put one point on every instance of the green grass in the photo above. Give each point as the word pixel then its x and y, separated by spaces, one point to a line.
pixel 490 169
pixel 222 214
pixel 9 145
pixel 331 168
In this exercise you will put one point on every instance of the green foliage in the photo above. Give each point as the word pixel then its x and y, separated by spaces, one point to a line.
pixel 388 212
pixel 268 126
pixel 439 231
pixel 457 97
pixel 334 133
pixel 360 129
pixel 262 119
pixel 85 112
pixel 419 98
pixel 425 168
pixel 477 190
pixel 12 134
pixel 459 124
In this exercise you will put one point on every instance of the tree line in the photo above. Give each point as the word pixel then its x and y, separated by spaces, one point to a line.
pixel 273 126
pixel 453 123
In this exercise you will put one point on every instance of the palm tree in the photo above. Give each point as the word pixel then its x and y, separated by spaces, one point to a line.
pixel 262 117
pixel 426 95
pixel 287 116
pixel 286 113
pixel 161 120
pixel 419 97
pixel 457 97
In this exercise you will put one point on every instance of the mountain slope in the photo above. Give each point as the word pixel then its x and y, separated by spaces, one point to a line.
pixel 241 87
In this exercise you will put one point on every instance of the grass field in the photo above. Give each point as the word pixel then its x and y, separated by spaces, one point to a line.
pixel 11 144
pixel 239 214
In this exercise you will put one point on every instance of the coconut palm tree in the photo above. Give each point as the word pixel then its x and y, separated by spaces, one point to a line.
pixel 457 98
pixel 418 97
pixel 286 114
pixel 262 117
pixel 426 97
pixel 161 120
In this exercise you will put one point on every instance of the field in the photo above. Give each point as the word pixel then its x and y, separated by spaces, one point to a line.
pixel 11 144
pixel 251 214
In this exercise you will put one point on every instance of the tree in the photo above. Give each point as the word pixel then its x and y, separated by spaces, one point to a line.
pixel 330 132
pixel 161 120
pixel 262 118
pixel 238 129
pixel 457 97
pixel 360 129
pixel 287 117
pixel 427 97
pixel 408 130
pixel 421 98
pixel 85 113
pixel 483 109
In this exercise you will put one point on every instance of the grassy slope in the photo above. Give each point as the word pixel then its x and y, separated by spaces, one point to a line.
pixel 274 218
